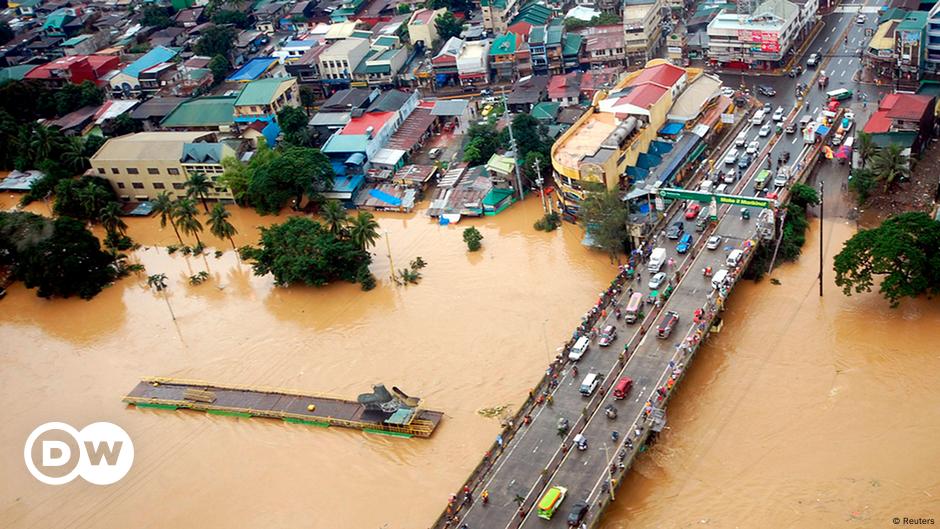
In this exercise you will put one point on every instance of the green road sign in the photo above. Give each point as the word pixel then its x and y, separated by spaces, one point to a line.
pixel 735 200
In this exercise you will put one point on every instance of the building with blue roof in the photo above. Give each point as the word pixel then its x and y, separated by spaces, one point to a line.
pixel 127 82
pixel 253 70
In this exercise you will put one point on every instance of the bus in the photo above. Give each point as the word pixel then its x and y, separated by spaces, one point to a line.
pixel 839 94
pixel 633 307
pixel 551 501
pixel 760 181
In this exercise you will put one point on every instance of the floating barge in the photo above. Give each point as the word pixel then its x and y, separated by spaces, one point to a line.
pixel 391 413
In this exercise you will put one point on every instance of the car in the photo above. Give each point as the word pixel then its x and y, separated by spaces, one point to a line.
pixel 746 160
pixel 767 108
pixel 702 222
pixel 486 110
pixel 608 335
pixel 730 176
pixel 813 60
pixel 657 280
pixel 684 243
pixel 692 211
pixel 741 139
pixel 753 147
pixel 731 156
pixel 434 153
pixel 727 91
pixel 764 130
pixel 765 90
pixel 675 230
pixel 713 242
pixel 791 127
pixel 666 324
pixel 833 105
pixel 779 114
pixel 577 513
pixel 861 19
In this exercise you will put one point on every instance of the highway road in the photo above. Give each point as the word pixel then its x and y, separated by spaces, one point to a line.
pixel 520 472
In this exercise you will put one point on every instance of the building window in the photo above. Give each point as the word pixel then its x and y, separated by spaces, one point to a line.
pixel 153 170
pixel 114 170
pixel 101 170
pixel 159 185
pixel 173 171
pixel 178 186
pixel 137 185
pixel 120 185
pixel 132 170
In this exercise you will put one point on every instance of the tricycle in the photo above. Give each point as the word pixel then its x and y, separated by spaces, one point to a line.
pixel 745 214
pixel 562 426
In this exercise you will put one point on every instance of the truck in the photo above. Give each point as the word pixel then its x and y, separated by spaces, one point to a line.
pixel 657 258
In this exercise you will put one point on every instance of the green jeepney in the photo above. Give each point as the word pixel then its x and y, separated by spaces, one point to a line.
pixel 760 181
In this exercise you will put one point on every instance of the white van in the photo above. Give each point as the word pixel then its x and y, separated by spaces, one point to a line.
pixel 731 157
pixel 657 258
pixel 589 384
pixel 580 347
pixel 705 186
pixel 721 189
pixel 734 257
pixel 758 117
pixel 719 278
pixel 741 140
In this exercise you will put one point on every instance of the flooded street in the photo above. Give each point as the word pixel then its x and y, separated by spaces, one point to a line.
pixel 474 333
pixel 801 413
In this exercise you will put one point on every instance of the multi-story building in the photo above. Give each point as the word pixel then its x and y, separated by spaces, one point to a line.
pixel 341 58
pixel 906 119
pixel 140 166
pixel 498 13
pixel 74 69
pixel 642 30
pixel 422 27
pixel 910 37
pixel 509 58
pixel 760 40
pixel 261 100
pixel 613 133
pixel 546 47
pixel 881 55
pixel 932 52
pixel 127 82
pixel 603 45
pixel 380 68
pixel 444 64
pixel 473 63
pixel 267 16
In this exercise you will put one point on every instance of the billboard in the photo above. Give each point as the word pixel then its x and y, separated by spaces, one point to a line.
pixel 766 41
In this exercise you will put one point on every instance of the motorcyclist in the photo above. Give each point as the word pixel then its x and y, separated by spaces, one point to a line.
pixel 614 435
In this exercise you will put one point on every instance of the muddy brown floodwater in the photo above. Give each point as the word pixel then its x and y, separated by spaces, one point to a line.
pixel 801 413
pixel 475 333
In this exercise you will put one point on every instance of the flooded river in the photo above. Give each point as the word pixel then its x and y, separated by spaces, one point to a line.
pixel 474 333
pixel 800 412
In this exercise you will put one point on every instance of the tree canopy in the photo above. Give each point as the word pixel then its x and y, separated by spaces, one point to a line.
pixel 303 251
pixel 604 216
pixel 83 198
pixel 216 40
pixel 293 121
pixel 904 250
pixel 447 26
pixel 482 143
pixel 604 19
pixel 235 18
pixel 291 173
pixel 58 257
pixel 157 16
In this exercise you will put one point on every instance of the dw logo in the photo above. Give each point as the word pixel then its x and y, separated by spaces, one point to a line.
pixel 101 453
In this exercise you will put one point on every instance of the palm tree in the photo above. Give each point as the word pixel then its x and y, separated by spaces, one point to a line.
pixel 73 154
pixel 41 143
pixel 334 215
pixel 163 206
pixel 866 148
pixel 110 218
pixel 890 165
pixel 198 186
pixel 364 230
pixel 187 218
pixel 158 283
pixel 219 224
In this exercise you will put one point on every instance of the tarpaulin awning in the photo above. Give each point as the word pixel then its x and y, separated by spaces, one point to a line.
pixel 659 147
pixel 822 130
pixel 385 197
pixel 638 173
pixel 671 129
pixel 648 161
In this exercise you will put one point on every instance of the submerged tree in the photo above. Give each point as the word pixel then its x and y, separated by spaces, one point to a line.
pixel 164 206
pixel 158 283
pixel 604 216
pixel 220 226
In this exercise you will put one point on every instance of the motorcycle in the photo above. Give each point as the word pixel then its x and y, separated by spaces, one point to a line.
pixel 610 411
pixel 581 442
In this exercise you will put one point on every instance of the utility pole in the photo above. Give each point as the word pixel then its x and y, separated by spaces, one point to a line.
pixel 539 181
pixel 512 144
pixel 820 239
pixel 610 473
pixel 391 265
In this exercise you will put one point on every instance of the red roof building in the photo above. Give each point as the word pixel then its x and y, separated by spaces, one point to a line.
pixel 643 95
pixel 904 113
pixel 75 69
pixel 663 74
pixel 362 124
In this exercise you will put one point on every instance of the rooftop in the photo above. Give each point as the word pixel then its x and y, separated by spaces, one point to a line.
pixel 262 91
pixel 208 111
pixel 150 59
pixel 253 69
pixel 146 146
pixel 586 140
pixel 360 125
pixel 664 73
pixel 421 17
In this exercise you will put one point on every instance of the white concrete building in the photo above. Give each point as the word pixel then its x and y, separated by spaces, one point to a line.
pixel 473 63
pixel 642 30
pixel 760 40
pixel 340 60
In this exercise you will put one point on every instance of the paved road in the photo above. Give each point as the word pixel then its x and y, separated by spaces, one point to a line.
pixel 519 472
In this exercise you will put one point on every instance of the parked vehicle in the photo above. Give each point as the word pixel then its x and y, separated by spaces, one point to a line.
pixel 577 513
pixel 608 335
pixel 657 258
pixel 580 347
pixel 666 324
pixel 684 243
pixel 734 257
pixel 718 278
pixel 657 280
pixel 633 308
pixel 551 501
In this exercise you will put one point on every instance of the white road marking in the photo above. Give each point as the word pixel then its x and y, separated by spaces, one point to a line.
pixel 794 139
pixel 827 39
